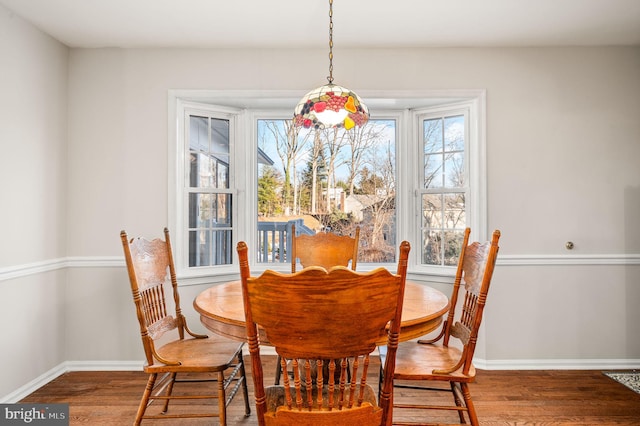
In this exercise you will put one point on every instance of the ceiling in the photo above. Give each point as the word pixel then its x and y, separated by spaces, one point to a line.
pixel 357 23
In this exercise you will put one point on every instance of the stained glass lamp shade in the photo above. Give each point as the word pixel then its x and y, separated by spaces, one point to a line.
pixel 330 106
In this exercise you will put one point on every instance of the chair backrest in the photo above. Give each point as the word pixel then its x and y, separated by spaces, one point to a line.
pixel 150 266
pixel 324 322
pixel 475 270
pixel 324 249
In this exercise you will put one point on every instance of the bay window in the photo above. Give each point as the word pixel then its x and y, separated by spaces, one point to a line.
pixel 239 171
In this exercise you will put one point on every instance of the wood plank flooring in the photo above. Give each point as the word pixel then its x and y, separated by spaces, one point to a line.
pixel 547 397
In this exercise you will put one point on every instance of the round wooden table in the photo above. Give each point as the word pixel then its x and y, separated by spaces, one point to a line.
pixel 222 311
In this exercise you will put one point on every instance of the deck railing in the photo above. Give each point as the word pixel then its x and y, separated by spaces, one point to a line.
pixel 274 239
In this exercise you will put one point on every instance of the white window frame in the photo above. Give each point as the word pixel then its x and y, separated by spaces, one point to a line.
pixel 245 107
pixel 179 194
pixel 475 165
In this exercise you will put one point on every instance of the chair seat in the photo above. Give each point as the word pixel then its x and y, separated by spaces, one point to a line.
pixel 197 355
pixel 415 361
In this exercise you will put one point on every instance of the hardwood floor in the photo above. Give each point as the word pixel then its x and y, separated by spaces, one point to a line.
pixel 547 397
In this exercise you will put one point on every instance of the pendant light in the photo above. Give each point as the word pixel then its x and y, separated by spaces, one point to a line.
pixel 330 105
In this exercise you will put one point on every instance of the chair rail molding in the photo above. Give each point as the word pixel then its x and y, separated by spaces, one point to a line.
pixel 33 268
pixel 565 259
pixel 26 269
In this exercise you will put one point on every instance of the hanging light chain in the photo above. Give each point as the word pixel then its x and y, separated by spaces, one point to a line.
pixel 330 77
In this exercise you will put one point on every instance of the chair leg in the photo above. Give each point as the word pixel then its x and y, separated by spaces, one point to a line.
pixel 222 399
pixel 172 380
pixel 471 410
pixel 144 401
pixel 458 401
pixel 278 371
pixel 247 407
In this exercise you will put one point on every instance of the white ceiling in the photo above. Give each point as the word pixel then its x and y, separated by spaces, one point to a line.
pixel 357 23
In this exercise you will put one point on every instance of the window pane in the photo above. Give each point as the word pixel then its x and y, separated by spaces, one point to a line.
pixel 444 152
pixel 432 211
pixel 199 248
pixel 432 247
pixel 328 180
pixel 454 170
pixel 199 210
pixel 433 138
pixel 442 247
pixel 443 221
pixel 454 211
pixel 199 134
pixel 209 153
pixel 433 171
pixel 454 133
pixel 209 210
pixel 209 247
pixel 222 176
pixel 220 137
pixel 452 246
pixel 222 208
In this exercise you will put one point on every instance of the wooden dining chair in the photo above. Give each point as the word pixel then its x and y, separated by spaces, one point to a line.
pixel 151 268
pixel 324 249
pixel 435 360
pixel 323 322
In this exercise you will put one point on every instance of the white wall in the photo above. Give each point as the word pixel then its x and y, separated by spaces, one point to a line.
pixel 33 136
pixel 563 143
pixel 563 146
pixel 569 116
pixel 33 165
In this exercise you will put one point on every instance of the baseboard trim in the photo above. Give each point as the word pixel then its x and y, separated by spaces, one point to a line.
pixel 557 364
pixel 34 384
pixel 104 365
pixel 66 367
pixel 530 364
